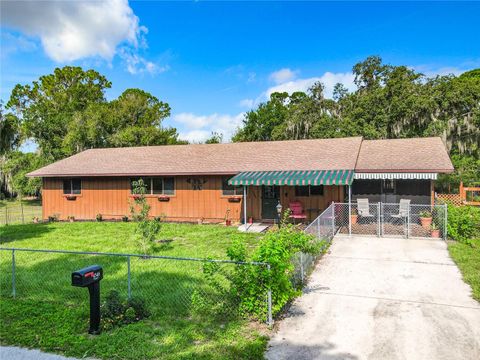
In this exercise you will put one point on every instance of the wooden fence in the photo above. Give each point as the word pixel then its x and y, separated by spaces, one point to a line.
pixel 469 195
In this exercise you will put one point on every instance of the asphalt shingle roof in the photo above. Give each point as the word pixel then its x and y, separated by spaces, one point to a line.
pixel 232 158
pixel 404 155
pixel 397 155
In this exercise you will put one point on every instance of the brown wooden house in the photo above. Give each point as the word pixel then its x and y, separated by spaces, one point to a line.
pixel 215 182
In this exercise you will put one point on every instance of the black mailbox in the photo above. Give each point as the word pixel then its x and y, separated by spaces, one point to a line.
pixel 87 276
pixel 90 277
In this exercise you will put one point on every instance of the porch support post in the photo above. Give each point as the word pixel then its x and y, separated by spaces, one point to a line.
pixel 245 206
pixel 349 210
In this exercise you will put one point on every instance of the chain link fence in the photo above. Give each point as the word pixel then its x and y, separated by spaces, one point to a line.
pixel 18 212
pixel 395 220
pixel 170 286
pixel 323 228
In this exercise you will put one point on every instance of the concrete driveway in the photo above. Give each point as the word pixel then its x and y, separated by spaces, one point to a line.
pixel 382 298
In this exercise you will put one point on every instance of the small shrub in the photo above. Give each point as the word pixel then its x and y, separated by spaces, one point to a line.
pixel 117 311
pixel 130 316
pixel 463 223
pixel 138 304
pixel 146 229
pixel 249 284
pixel 99 217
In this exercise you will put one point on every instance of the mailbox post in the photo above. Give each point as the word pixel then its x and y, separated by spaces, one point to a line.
pixel 90 277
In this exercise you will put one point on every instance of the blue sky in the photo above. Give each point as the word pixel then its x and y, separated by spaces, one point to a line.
pixel 213 61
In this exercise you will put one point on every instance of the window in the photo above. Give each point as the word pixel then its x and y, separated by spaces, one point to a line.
pixel 169 186
pixel 388 186
pixel 316 190
pixel 365 187
pixel 310 190
pixel 157 185
pixel 413 187
pixel 230 190
pixel 72 186
pixel 301 190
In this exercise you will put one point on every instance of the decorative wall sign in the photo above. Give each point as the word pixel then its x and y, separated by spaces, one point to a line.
pixel 197 182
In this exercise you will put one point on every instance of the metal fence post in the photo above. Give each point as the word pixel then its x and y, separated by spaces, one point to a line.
pixel 445 222
pixel 21 207
pixel 349 210
pixel 129 278
pixel 408 220
pixel 301 266
pixel 14 289
pixel 269 301
pixel 382 220
pixel 318 228
pixel 333 219
pixel 378 219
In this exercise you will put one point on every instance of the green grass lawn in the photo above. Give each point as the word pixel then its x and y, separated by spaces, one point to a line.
pixel 51 315
pixel 467 259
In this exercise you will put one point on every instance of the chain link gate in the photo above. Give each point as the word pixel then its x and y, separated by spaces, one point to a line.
pixel 391 220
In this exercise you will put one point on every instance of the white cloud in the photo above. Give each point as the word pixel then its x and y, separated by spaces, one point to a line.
pixel 282 75
pixel 135 64
pixel 73 30
pixel 430 71
pixel 195 136
pixel 247 103
pixel 328 79
pixel 198 128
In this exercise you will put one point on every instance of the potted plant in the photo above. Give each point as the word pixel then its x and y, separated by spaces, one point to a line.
pixel 99 217
pixel 163 198
pixel 125 218
pixel 35 220
pixel 228 221
pixel 435 231
pixel 426 219
pixel 354 216
pixel 71 218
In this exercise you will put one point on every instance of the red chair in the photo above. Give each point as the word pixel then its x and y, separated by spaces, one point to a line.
pixel 297 211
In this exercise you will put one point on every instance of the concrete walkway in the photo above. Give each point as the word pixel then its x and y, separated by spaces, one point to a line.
pixel 17 353
pixel 382 298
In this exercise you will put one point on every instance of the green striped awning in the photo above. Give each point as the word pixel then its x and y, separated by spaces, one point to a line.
pixel 299 177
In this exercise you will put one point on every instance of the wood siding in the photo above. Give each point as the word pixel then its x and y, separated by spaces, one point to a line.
pixel 111 198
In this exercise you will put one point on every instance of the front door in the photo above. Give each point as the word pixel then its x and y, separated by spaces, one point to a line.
pixel 270 197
